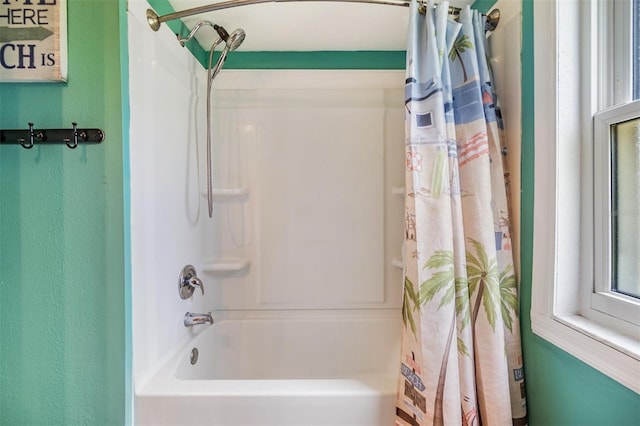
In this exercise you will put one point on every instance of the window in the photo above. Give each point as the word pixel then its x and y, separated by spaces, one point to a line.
pixel 586 277
pixel 616 143
pixel 616 291
pixel 625 199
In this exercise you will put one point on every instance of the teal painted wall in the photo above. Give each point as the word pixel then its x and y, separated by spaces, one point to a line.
pixel 62 309
pixel 561 390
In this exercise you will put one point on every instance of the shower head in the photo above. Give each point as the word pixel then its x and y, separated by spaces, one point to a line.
pixel 235 39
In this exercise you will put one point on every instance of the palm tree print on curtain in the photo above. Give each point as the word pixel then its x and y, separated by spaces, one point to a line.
pixel 461 360
pixel 455 55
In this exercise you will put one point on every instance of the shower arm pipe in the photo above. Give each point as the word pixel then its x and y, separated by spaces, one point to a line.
pixel 154 20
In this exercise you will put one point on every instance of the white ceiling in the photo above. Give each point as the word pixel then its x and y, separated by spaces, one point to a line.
pixel 308 26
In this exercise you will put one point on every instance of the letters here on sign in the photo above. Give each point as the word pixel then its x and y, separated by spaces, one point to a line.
pixel 24 17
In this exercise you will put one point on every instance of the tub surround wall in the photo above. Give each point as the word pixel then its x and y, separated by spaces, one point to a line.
pixel 307 170
pixel 315 159
pixel 360 347
pixel 167 91
pixel 307 166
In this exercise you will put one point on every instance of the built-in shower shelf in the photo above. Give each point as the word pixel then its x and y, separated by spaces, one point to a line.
pixel 397 262
pixel 227 265
pixel 225 195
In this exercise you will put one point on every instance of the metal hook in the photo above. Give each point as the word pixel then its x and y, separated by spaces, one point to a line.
pixel 31 138
pixel 73 145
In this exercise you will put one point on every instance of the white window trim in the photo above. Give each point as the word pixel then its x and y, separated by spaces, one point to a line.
pixel 560 226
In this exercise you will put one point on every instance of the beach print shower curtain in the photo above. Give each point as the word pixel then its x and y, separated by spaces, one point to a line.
pixel 461 359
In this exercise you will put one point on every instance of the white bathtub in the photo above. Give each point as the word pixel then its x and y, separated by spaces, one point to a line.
pixel 279 372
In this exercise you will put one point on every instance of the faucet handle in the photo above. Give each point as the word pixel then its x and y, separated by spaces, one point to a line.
pixel 188 282
pixel 196 282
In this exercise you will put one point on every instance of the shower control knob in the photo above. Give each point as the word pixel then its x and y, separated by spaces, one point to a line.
pixel 195 282
pixel 188 282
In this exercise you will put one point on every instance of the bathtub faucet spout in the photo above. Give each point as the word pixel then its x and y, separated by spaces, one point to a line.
pixel 191 318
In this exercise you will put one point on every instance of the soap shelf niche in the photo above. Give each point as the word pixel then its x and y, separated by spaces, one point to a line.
pixel 226 265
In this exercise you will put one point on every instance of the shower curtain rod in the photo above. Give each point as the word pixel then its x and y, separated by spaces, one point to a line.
pixel 155 20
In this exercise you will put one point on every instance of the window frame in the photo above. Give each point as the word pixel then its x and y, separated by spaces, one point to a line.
pixel 567 95
pixel 613 83
pixel 603 299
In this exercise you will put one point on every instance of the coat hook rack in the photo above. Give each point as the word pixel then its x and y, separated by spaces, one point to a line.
pixel 70 137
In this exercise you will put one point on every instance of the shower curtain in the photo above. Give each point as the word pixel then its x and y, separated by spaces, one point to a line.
pixel 461 360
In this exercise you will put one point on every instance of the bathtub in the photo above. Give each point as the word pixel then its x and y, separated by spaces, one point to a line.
pixel 279 372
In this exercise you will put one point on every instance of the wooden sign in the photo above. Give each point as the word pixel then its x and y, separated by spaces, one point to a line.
pixel 33 40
